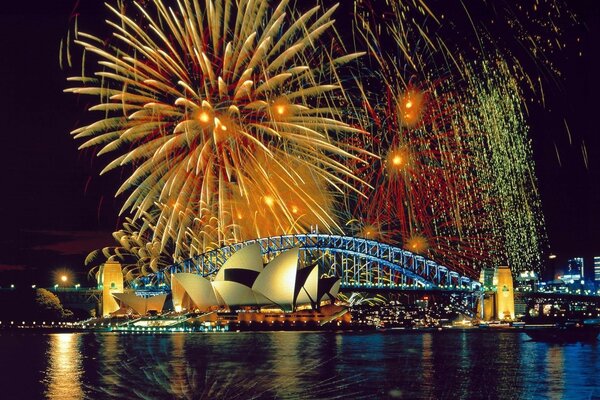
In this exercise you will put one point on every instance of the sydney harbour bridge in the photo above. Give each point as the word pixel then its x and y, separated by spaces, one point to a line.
pixel 361 264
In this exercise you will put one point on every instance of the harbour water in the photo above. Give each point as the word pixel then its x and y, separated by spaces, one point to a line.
pixel 453 364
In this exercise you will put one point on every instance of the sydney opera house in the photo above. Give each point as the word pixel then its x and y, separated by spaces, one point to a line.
pixel 283 290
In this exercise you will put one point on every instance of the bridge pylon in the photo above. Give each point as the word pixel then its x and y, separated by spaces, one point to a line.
pixel 498 298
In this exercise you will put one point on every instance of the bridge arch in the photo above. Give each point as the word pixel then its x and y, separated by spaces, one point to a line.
pixel 360 263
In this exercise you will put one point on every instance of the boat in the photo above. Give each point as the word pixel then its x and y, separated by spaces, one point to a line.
pixel 564 332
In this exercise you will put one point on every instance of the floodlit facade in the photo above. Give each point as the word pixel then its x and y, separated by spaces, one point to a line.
pixel 191 290
pixel 244 281
pixel 498 300
pixel 487 302
pixel 486 306
pixel 505 295
pixel 110 281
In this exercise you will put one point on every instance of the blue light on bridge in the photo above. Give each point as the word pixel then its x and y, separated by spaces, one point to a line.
pixel 360 263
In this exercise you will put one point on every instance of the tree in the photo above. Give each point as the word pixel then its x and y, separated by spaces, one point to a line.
pixel 48 305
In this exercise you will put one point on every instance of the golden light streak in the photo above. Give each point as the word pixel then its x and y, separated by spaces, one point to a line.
pixel 215 106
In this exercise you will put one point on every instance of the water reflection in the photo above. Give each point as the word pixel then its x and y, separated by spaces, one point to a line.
pixel 270 365
pixel 555 372
pixel 110 353
pixel 285 349
pixel 64 372
pixel 179 384
pixel 428 371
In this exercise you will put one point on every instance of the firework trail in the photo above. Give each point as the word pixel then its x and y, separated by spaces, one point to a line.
pixel 136 250
pixel 234 120
pixel 456 178
pixel 225 112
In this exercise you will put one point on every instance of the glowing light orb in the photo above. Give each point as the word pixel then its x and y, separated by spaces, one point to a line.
pixel 269 200
pixel 370 231
pixel 281 109
pixel 417 244
pixel 398 160
pixel 410 107
pixel 204 117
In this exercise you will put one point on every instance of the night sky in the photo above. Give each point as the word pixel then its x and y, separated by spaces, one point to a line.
pixel 55 208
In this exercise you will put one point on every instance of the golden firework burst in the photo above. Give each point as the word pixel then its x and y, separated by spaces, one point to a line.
pixel 222 109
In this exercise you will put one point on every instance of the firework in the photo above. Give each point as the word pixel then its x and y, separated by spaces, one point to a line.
pixel 136 250
pixel 426 195
pixel 456 179
pixel 234 120
pixel 514 208
pixel 226 113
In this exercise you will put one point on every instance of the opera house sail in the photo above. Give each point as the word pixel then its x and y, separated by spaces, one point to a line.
pixel 244 282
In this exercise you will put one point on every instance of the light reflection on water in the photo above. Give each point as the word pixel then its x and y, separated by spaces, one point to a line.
pixel 63 375
pixel 295 365
pixel 555 371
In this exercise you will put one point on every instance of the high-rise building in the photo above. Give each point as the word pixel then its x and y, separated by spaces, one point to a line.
pixel 597 268
pixel 574 271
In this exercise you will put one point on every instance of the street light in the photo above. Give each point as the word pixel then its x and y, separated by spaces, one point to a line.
pixel 63 278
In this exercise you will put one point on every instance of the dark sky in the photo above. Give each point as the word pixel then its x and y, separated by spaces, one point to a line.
pixel 55 208
pixel 571 191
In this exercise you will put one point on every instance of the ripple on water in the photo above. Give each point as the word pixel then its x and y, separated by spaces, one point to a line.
pixel 269 365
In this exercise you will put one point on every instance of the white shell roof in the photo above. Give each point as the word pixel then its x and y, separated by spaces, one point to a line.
pixel 278 279
pixel 199 289
pixel 248 257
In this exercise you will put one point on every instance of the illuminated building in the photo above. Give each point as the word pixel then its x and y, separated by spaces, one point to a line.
pixel 505 295
pixel 486 306
pixel 597 269
pixel 282 290
pixel 141 305
pixel 486 277
pixel 574 271
pixel 110 281
pixel 528 280
pixel 243 281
